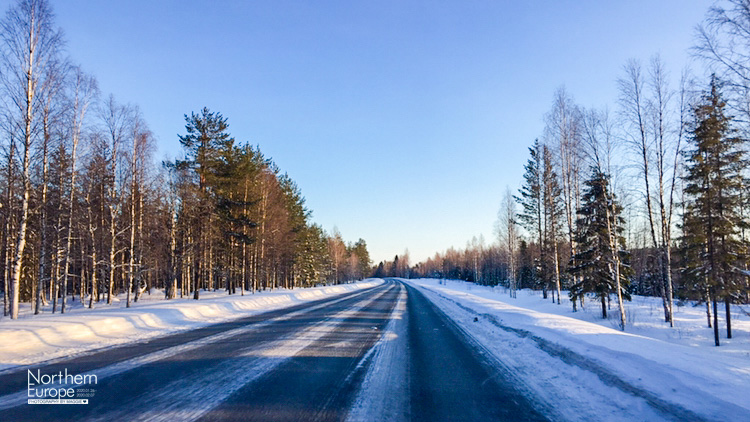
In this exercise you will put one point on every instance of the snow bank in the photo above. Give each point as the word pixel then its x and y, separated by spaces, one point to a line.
pixel 33 339
pixel 672 368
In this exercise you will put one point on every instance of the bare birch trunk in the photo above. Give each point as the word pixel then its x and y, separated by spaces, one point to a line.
pixel 614 247
pixel 94 265
pixel 55 288
pixel 557 272
pixel 43 215
pixel 8 228
pixel 139 260
pixel 15 281
pixel 113 208
pixel 708 305
pixel 131 248
pixel 69 238
pixel 173 250
pixel 85 89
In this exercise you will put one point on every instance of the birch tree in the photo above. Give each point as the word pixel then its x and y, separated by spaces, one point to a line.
pixel 668 132
pixel 655 116
pixel 563 134
pixel 552 211
pixel 723 42
pixel 84 92
pixel 8 210
pixel 508 237
pixel 137 137
pixel 116 119
pixel 634 112
pixel 51 114
pixel 31 43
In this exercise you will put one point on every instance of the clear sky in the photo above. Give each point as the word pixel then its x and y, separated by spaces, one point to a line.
pixel 401 121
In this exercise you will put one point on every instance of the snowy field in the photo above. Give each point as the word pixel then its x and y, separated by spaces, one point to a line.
pixel 37 338
pixel 598 370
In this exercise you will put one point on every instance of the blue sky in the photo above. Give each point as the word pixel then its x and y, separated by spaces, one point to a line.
pixel 402 121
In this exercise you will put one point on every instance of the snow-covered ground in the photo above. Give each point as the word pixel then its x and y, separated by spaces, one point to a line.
pixel 597 369
pixel 36 338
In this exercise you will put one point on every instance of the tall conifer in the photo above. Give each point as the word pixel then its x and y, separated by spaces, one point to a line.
pixel 601 259
pixel 714 190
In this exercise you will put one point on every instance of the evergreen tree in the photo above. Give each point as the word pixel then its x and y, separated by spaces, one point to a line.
pixel 298 216
pixel 532 203
pixel 526 265
pixel 314 261
pixel 541 211
pixel 363 258
pixel 380 271
pixel 203 143
pixel 714 192
pixel 232 201
pixel 601 259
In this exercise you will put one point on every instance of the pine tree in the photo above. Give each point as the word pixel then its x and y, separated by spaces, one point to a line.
pixel 602 260
pixel 204 141
pixel 714 183
pixel 297 219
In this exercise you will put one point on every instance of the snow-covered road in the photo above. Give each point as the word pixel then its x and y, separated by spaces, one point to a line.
pixel 382 353
pixel 587 370
pixel 393 351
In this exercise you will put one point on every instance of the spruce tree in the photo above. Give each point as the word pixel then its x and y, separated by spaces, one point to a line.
pixel 363 258
pixel 532 205
pixel 602 260
pixel 714 192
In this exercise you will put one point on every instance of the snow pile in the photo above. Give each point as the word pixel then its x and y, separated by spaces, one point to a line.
pixel 675 369
pixel 33 339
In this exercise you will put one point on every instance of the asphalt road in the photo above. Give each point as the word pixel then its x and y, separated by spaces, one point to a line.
pixel 309 362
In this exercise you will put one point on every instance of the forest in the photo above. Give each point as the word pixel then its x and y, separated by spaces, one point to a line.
pixel 88 214
pixel 648 197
